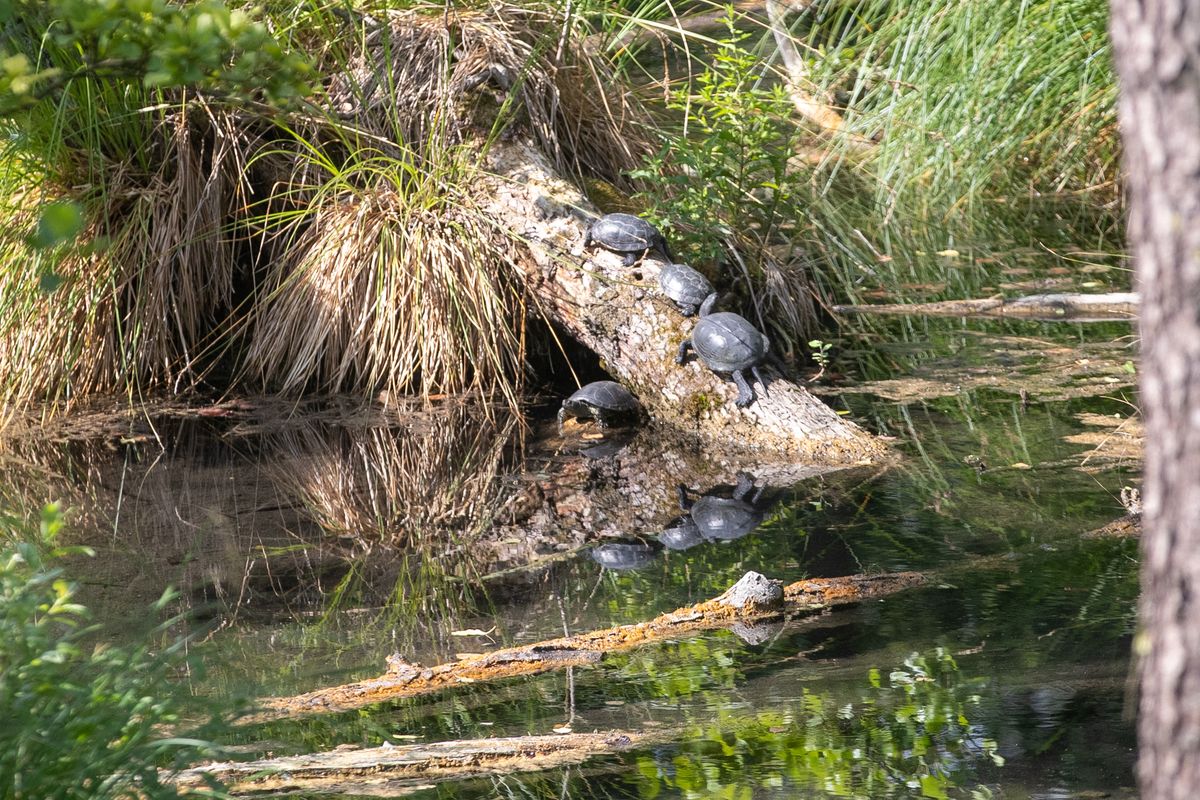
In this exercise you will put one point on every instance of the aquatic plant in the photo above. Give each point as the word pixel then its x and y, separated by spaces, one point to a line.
pixel 907 734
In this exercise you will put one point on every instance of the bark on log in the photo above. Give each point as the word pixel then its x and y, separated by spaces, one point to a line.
pixel 618 313
pixel 1075 307
pixel 737 605
pixel 380 769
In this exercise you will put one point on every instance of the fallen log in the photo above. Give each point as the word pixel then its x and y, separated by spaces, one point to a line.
pixel 359 770
pixel 1075 307
pixel 753 598
pixel 618 313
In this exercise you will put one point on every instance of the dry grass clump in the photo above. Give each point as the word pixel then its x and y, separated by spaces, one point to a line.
pixel 140 301
pixel 428 77
pixel 362 262
pixel 379 290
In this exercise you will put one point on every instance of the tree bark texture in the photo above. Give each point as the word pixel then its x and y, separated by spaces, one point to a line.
pixel 619 313
pixel 1157 49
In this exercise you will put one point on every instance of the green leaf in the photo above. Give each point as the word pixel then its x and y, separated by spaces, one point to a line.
pixel 60 222
pixel 933 786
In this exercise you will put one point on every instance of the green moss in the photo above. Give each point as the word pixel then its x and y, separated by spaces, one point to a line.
pixel 698 403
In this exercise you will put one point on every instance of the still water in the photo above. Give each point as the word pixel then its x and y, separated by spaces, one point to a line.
pixel 309 543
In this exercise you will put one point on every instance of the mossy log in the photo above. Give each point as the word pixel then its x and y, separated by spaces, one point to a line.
pixel 752 599
pixel 619 313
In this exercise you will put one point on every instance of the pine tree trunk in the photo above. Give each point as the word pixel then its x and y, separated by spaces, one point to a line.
pixel 1157 49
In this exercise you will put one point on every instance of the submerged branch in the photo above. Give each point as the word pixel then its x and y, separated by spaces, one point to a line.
pixel 1076 307
pixel 753 598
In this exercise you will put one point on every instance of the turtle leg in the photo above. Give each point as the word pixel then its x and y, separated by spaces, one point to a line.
pixel 632 257
pixel 745 482
pixel 587 238
pixel 684 503
pixel 684 346
pixel 562 415
pixel 745 393
pixel 661 246
pixel 758 376
pixel 687 309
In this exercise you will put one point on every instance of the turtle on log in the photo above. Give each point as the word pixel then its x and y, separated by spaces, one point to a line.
pixel 727 343
pixel 628 235
pixel 684 286
pixel 607 402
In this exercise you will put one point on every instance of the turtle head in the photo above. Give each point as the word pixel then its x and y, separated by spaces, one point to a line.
pixel 707 306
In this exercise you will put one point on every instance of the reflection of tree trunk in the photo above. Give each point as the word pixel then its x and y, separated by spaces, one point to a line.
pixel 1157 48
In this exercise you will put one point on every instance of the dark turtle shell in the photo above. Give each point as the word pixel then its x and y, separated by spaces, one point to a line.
pixel 603 401
pixel 722 519
pixel 684 285
pixel 625 233
pixel 625 555
pixel 727 342
pixel 681 534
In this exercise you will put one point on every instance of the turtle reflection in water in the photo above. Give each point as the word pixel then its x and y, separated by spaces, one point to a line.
pixel 626 555
pixel 717 519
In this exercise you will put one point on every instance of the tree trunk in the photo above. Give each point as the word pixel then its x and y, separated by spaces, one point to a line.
pixel 1157 49
pixel 619 313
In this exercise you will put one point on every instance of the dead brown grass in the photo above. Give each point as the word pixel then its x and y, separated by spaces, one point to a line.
pixel 146 294
pixel 429 77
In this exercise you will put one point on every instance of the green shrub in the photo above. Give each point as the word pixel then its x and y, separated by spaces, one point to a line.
pixel 81 719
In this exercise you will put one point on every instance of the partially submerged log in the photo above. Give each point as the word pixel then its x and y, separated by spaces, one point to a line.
pixel 370 769
pixel 1075 307
pixel 752 599
pixel 619 313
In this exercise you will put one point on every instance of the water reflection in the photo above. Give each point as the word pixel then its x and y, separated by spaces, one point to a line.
pixel 625 555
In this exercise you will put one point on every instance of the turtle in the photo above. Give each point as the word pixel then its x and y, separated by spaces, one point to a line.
pixel 626 234
pixel 681 533
pixel 607 402
pixel 725 518
pixel 728 343
pixel 686 287
pixel 625 555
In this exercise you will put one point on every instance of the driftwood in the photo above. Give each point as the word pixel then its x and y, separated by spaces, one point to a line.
pixel 817 111
pixel 1075 307
pixel 618 313
pixel 752 599
pixel 389 770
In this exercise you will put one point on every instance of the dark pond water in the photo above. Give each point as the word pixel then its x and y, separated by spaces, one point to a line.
pixel 308 547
